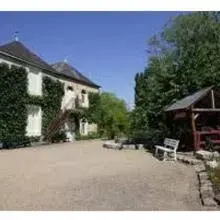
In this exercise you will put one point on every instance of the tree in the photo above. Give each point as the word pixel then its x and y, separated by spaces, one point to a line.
pixel 184 58
pixel 109 112
pixel 93 113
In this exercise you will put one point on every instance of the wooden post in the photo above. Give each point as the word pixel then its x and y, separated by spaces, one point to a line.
pixel 193 121
pixel 196 116
pixel 213 98
pixel 194 129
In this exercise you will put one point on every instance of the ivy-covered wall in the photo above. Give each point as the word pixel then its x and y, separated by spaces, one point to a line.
pixel 14 100
pixel 13 112
pixel 53 92
pixel 92 114
pixel 50 101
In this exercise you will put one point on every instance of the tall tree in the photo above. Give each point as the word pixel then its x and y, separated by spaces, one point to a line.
pixel 110 113
pixel 184 58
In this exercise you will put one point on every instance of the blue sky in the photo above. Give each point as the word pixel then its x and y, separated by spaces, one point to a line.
pixel 108 47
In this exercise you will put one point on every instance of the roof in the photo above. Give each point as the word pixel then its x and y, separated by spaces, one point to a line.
pixel 69 71
pixel 18 50
pixel 188 100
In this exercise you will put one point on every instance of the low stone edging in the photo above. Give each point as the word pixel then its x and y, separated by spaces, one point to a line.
pixel 206 155
pixel 120 146
pixel 112 145
pixel 188 160
pixel 205 186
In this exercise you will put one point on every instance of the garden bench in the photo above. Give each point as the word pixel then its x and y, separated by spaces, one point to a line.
pixel 170 146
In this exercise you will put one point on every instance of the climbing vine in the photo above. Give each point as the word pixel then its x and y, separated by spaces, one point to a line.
pixel 13 112
pixel 53 92
pixel 14 101
pixel 92 114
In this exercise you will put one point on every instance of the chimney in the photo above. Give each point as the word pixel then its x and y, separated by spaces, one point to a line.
pixel 16 36
pixel 65 60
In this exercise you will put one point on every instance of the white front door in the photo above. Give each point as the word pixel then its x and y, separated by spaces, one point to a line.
pixel 83 127
pixel 70 129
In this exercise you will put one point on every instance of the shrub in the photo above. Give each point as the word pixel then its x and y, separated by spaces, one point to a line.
pixel 34 138
pixel 17 143
pixel 59 136
pixel 215 177
pixel 150 137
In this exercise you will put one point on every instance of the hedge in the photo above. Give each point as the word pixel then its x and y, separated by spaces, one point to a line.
pixel 13 111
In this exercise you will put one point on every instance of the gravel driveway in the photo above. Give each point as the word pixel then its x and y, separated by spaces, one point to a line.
pixel 85 176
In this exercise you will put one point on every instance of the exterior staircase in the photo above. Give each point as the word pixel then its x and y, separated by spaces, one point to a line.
pixel 59 120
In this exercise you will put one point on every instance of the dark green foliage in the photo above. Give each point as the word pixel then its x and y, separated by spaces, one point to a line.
pixel 34 100
pixel 22 142
pixel 183 58
pixel 59 136
pixel 13 113
pixel 14 101
pixel 53 92
pixel 50 102
pixel 209 146
pixel 138 116
pixel 215 178
pixel 34 138
pixel 93 113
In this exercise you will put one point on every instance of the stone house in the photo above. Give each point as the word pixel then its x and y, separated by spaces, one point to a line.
pixel 76 86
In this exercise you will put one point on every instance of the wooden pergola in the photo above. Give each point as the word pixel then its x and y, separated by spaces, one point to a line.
pixel 202 108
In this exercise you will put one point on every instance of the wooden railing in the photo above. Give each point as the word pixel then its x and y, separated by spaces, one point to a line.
pixel 57 122
pixel 198 142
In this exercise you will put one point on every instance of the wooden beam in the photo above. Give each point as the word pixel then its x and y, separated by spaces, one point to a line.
pixel 196 116
pixel 213 98
pixel 193 121
pixel 180 115
pixel 206 109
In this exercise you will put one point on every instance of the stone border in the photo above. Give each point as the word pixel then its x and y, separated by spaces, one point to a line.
pixel 121 146
pixel 205 186
pixel 187 160
pixel 207 195
pixel 112 145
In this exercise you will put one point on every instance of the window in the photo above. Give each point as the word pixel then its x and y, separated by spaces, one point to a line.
pixel 34 82
pixel 68 99
pixel 83 95
pixel 70 88
pixel 33 121
pixel 83 127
